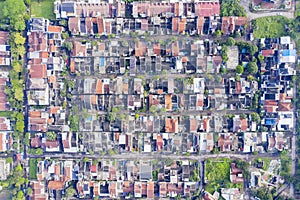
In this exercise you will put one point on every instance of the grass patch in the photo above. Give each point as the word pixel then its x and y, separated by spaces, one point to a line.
pixel 1 6
pixel 286 164
pixel 266 161
pixel 41 8
pixel 217 172
pixel 5 114
pixel 32 168
pixel 270 27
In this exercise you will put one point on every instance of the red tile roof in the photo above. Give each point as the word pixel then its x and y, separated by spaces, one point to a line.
pixel 56 185
pixel 100 25
pixel 156 49
pixel 150 190
pixel 38 71
pixel 175 48
pixel 171 125
pixel 4 37
pixel 207 9
pixel 55 29
pixel 267 52
pixel 285 106
pixel 140 49
pixel 99 87
pixel 35 142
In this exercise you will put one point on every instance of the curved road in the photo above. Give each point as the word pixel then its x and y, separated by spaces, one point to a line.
pixel 251 15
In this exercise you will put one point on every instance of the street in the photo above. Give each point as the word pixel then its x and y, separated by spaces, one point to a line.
pixel 251 15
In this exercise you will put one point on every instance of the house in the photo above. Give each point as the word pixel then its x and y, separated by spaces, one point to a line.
pixel 231 193
pixel 171 125
pixel 5 169
pixel 227 142
pixel 5 141
pixel 236 174
pixel 79 49
pixel 232 24
pixel 38 190
pixel 5 124
pixel 207 8
pixel 4 49
pixel 250 141
pixel 145 172
pixel 74 25
pixel 67 9
pixel 240 124
pixel 4 104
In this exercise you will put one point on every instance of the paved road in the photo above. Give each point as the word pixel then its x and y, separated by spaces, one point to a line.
pixel 143 156
pixel 294 145
pixel 251 15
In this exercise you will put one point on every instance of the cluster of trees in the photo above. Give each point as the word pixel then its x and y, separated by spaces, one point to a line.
pixel 15 11
pixel 232 8
pixel 37 151
pixel 14 183
pixel 33 168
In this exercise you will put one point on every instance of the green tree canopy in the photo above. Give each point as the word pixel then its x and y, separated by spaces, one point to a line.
pixel 232 8
pixel 70 192
pixel 239 69
pixel 17 38
pixel 255 117
pixel 252 68
pixel 14 9
pixel 230 41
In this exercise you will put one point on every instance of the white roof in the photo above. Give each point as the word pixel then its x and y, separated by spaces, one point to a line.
pixel 122 139
pixel 147 148
pixel 285 40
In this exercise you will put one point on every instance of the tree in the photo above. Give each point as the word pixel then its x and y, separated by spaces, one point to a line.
pixel 232 8
pixel 19 126
pixel 19 25
pixel 68 46
pixel 255 117
pixel 20 194
pixel 64 35
pixel 17 38
pixel 9 160
pixel 29 191
pixel 252 68
pixel 17 66
pixel 239 69
pixel 51 135
pixel 14 9
pixel 243 116
pixel 70 192
pixel 230 41
pixel 218 33
pixel 152 109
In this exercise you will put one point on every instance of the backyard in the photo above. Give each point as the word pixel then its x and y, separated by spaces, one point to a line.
pixel 32 168
pixel 271 27
pixel 217 173
pixel 42 8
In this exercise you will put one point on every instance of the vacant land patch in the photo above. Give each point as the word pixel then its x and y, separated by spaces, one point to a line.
pixel 217 175
pixel 40 8
pixel 270 27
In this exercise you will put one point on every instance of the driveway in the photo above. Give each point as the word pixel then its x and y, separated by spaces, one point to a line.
pixel 251 15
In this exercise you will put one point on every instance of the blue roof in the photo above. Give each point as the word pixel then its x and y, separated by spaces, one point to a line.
pixel 102 62
pixel 270 121
pixel 289 52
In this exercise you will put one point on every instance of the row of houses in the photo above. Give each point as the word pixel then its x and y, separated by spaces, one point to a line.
pixel 115 179
pixel 67 9
pixel 98 26
pixel 277 83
